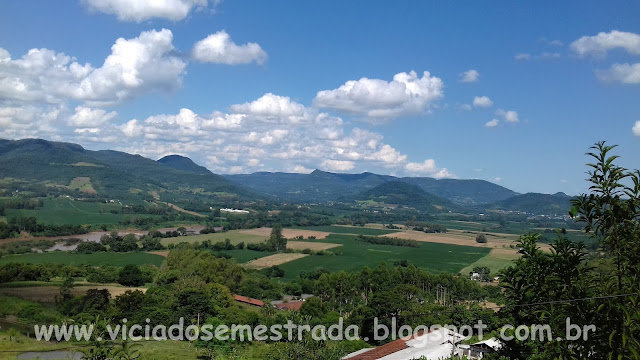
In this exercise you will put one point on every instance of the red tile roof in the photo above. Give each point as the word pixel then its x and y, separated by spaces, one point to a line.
pixel 247 300
pixel 291 305
pixel 386 349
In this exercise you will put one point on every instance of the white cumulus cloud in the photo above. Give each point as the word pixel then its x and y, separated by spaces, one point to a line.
pixel 624 73
pixel 492 123
pixel 636 129
pixel 140 10
pixel 375 99
pixel 600 44
pixel 220 49
pixel 338 165
pixel 134 67
pixel 470 76
pixel 508 115
pixel 86 117
pixel 482 101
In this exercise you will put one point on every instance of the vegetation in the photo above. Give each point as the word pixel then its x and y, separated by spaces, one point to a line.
pixel 388 241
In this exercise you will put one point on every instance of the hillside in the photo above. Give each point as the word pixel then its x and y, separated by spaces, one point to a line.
pixel 534 203
pixel 401 193
pixel 318 186
pixel 322 186
pixel 39 163
pixel 463 191
pixel 184 164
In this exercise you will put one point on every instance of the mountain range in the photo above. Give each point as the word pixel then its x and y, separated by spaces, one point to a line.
pixel 115 173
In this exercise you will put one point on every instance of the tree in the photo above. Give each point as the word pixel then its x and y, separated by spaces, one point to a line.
pixel 12 333
pixel 481 239
pixel 130 275
pixel 276 241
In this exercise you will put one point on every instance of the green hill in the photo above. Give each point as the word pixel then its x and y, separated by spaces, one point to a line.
pixel 68 167
pixel 184 164
pixel 400 193
pixel 538 204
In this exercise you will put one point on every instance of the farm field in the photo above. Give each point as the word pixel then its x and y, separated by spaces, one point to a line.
pixel 344 229
pixel 288 233
pixel 67 211
pixel 246 255
pixel 458 238
pixel 312 245
pixel 496 260
pixel 95 259
pixel 274 260
pixel 48 294
pixel 235 236
pixel 435 257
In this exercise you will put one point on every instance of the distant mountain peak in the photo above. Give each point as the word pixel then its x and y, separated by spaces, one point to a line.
pixel 183 163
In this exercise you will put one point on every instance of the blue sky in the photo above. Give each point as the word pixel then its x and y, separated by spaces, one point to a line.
pixel 294 86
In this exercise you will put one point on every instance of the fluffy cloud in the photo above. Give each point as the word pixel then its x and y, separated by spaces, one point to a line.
pixel 220 49
pixel 492 123
pixel 600 44
pixel 428 167
pixel 134 67
pixel 376 100
pixel 267 132
pixel 86 117
pixel 636 129
pixel 338 165
pixel 624 73
pixel 139 10
pixel 470 76
pixel 482 101
pixel 508 115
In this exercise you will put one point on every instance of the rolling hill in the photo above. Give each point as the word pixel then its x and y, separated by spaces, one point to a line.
pixel 401 193
pixel 322 186
pixel 107 172
pixel 534 203
pixel 184 164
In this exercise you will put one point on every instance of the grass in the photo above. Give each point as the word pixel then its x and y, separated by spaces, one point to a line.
pixel 348 230
pixel 96 259
pixel 3 219
pixel 68 211
pixel 496 260
pixel 353 255
pixel 235 236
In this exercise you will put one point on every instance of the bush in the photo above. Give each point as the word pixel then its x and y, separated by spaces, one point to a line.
pixel 131 275
pixel 481 239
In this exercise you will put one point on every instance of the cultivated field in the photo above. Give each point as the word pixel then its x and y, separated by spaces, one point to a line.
pixel 353 255
pixel 496 260
pixel 287 233
pixel 177 208
pixel 67 211
pixel 48 294
pixel 356 230
pixel 273 260
pixel 235 236
pixel 95 259
pixel 315 246
pixel 458 237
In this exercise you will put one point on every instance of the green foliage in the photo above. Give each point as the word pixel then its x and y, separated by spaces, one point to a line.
pixel 276 241
pixel 130 275
pixel 388 241
pixel 481 238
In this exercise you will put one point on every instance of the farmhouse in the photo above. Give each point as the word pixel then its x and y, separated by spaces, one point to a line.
pixel 479 349
pixel 430 345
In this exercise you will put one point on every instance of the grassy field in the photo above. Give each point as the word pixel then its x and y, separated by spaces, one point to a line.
pixel 68 211
pixel 235 236
pixel 496 260
pixel 96 259
pixel 356 254
pixel 336 229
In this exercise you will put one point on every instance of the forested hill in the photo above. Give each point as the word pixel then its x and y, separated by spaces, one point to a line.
pixel 400 193
pixel 42 163
pixel 534 203
pixel 322 186
pixel 184 164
